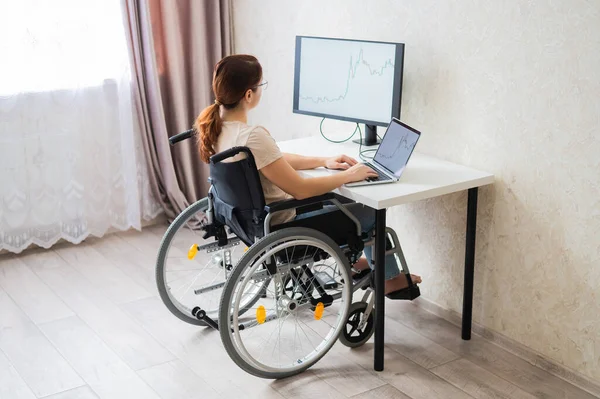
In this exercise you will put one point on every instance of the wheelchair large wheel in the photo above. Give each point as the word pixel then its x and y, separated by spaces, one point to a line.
pixel 191 271
pixel 289 331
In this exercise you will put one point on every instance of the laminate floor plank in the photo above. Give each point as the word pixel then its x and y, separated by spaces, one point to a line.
pixel 383 392
pixel 38 301
pixel 35 359
pixel 122 334
pixel 100 367
pixel 103 273
pixel 11 384
pixel 174 380
pixel 84 392
pixel 485 354
pixel 477 382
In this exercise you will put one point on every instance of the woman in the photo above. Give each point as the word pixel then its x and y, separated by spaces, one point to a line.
pixel 238 86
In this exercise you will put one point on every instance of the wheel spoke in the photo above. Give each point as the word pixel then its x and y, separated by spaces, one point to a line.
pixel 282 347
pixel 178 278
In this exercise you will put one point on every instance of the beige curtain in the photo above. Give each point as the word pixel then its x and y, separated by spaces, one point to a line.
pixel 174 45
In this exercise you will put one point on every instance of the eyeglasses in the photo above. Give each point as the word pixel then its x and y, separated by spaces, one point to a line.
pixel 264 85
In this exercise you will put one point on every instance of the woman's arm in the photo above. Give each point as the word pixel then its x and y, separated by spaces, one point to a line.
pixel 301 162
pixel 285 177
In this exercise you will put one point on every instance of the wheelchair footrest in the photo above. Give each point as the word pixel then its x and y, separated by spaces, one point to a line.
pixel 201 315
pixel 408 293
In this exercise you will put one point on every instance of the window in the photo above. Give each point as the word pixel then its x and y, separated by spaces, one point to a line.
pixel 49 45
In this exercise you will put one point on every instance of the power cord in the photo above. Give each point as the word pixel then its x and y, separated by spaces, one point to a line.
pixel 361 152
pixel 337 141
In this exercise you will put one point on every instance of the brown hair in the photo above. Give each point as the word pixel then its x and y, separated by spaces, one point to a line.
pixel 233 76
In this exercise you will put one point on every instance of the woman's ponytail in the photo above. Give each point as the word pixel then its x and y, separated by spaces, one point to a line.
pixel 208 126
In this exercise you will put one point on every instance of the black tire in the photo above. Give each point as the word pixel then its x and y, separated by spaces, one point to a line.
pixel 180 220
pixel 179 310
pixel 227 335
pixel 354 338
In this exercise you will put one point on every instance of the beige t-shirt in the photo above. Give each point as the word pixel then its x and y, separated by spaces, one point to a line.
pixel 265 151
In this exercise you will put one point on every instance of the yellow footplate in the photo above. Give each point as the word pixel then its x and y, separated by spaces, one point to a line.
pixel 319 311
pixel 192 252
pixel 261 314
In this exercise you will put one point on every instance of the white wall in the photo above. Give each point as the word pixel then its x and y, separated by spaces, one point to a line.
pixel 512 88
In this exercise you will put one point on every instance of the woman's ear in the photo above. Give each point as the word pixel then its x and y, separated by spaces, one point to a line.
pixel 248 95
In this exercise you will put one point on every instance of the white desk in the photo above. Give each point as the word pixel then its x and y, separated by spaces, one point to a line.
pixel 424 177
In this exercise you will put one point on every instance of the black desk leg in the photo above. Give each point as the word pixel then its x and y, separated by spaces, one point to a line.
pixel 469 263
pixel 379 287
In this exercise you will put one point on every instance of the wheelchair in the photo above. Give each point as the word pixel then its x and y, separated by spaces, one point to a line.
pixel 280 295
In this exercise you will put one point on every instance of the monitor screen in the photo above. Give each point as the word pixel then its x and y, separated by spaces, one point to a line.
pixel 352 80
pixel 396 147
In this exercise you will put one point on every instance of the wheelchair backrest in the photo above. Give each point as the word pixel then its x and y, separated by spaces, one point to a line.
pixel 237 194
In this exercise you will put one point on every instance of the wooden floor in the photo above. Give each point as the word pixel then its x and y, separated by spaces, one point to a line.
pixel 85 322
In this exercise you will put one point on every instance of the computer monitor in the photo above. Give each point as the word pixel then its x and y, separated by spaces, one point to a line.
pixel 351 80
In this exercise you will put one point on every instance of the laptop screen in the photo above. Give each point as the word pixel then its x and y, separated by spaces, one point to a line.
pixel 396 147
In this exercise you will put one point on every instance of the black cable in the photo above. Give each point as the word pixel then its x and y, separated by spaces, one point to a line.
pixel 336 141
pixel 361 152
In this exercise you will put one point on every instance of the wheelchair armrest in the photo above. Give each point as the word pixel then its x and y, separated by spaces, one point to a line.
pixel 230 153
pixel 337 200
pixel 294 203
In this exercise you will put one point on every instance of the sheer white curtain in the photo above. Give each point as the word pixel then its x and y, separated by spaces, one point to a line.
pixel 71 162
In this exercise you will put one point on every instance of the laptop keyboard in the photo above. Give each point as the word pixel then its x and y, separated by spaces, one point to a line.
pixel 381 177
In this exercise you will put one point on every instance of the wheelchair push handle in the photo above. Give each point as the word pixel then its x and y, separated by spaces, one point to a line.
pixel 181 136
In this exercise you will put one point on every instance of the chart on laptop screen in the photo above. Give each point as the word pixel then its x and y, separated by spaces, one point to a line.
pixel 347 78
pixel 396 147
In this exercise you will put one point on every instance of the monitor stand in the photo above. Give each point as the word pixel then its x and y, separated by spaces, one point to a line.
pixel 370 136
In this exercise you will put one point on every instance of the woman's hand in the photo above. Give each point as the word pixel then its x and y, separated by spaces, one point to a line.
pixel 340 162
pixel 359 172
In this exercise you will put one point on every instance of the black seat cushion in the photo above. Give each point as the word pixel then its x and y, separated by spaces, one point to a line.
pixel 335 225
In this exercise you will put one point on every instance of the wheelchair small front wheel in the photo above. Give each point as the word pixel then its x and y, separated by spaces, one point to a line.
pixel 358 328
pixel 306 306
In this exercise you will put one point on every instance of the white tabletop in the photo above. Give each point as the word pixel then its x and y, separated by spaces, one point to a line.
pixel 424 177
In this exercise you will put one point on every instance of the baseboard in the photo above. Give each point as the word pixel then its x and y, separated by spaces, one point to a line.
pixel 529 355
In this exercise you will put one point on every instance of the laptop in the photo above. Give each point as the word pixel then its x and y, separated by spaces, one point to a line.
pixel 392 155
